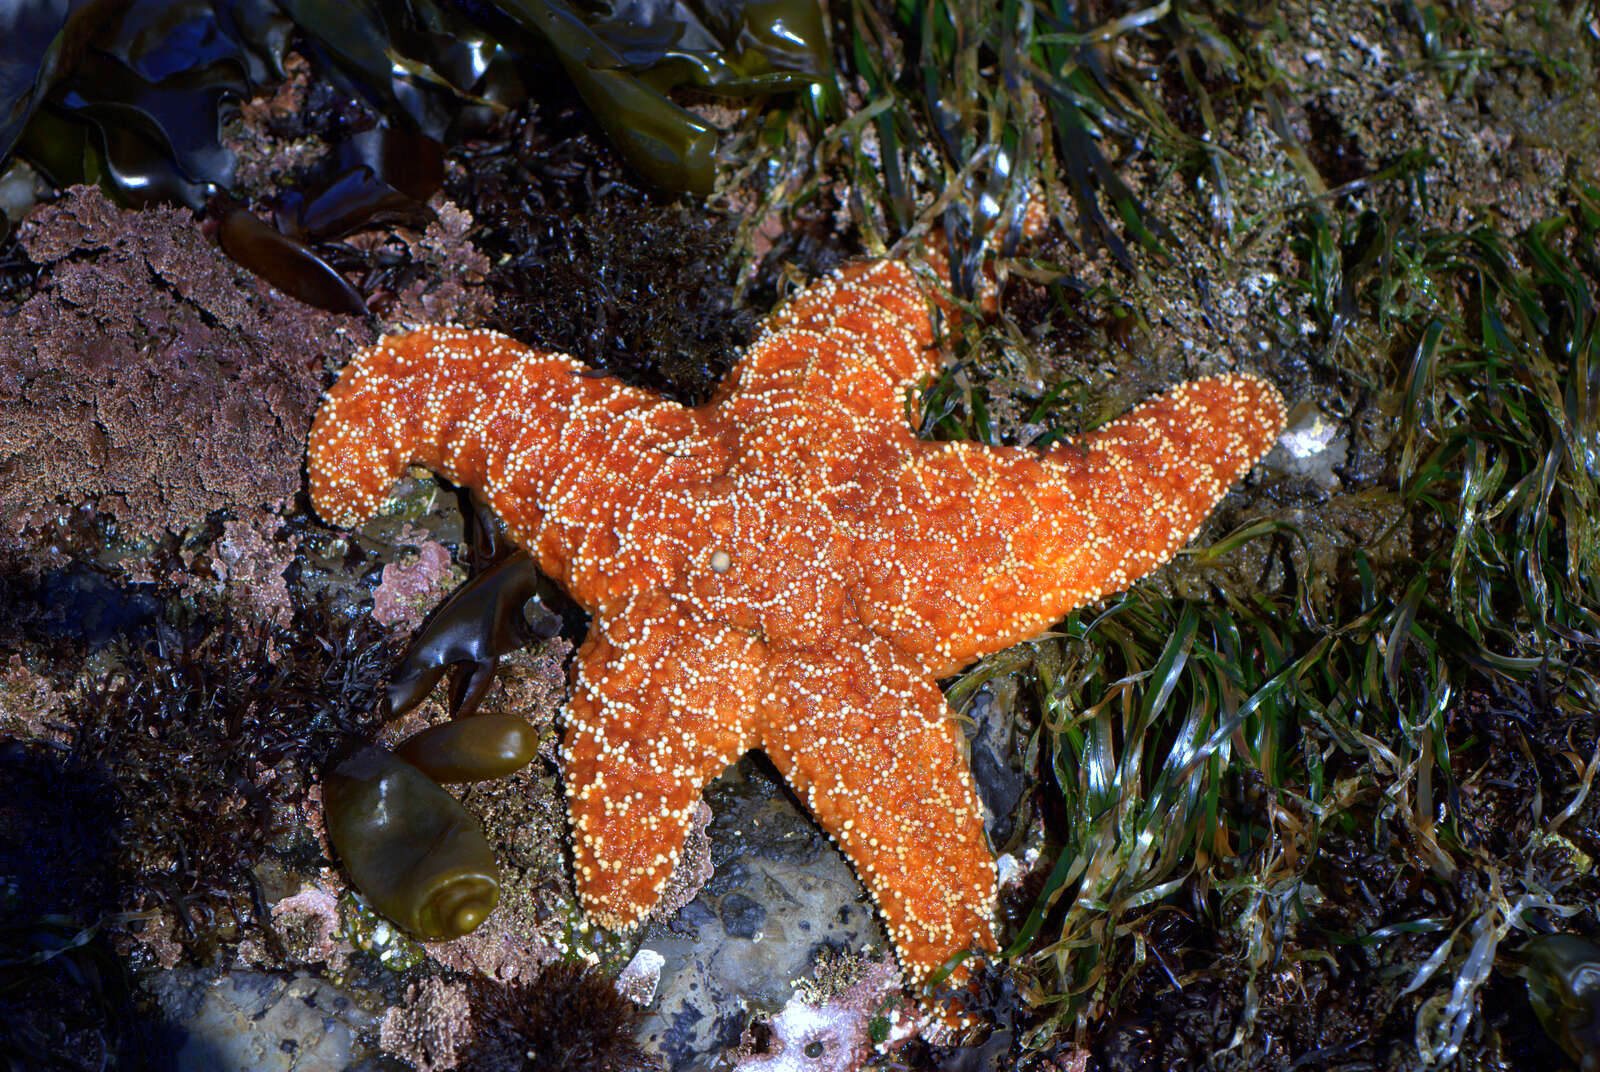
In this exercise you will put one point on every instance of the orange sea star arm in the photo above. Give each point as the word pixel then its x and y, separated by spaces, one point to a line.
pixel 659 705
pixel 448 398
pixel 853 341
pixel 972 548
pixel 858 339
pixel 864 738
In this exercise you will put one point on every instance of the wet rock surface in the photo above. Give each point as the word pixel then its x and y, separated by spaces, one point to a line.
pixel 781 894
pixel 258 1022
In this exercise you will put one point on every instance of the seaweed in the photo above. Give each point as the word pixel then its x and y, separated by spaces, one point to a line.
pixel 569 1016
pixel 142 375
pixel 134 95
pixel 206 736
pixel 554 222
pixel 138 98
pixel 1301 795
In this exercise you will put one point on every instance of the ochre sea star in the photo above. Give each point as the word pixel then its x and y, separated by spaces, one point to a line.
pixel 786 568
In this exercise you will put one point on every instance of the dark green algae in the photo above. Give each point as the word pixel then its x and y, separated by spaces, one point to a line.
pixel 472 749
pixel 137 98
pixel 492 614
pixel 1563 975
pixel 410 846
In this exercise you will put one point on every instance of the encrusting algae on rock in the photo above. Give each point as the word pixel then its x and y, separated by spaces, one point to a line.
pixel 786 568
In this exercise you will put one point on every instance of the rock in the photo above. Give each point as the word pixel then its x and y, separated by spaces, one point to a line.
pixel 259 1022
pixel 781 893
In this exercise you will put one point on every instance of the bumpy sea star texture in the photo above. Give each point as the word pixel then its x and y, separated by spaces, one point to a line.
pixel 786 568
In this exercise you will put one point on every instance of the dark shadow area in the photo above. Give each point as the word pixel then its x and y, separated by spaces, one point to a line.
pixel 67 998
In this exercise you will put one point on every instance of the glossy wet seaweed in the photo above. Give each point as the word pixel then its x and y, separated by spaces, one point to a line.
pixel 135 95
pixel 137 98
pixel 471 748
pixel 490 615
pixel 1563 974
pixel 1353 674
pixel 409 846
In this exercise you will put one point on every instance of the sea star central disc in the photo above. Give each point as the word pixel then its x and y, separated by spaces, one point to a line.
pixel 786 568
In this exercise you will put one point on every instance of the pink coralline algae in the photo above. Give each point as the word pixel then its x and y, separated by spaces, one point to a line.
pixel 149 375
pixel 412 585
